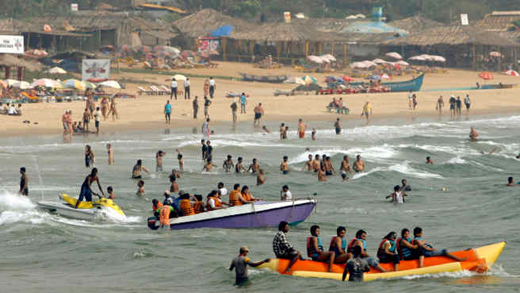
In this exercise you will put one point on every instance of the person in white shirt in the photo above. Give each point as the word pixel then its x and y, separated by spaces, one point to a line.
pixel 221 189
pixel 187 88
pixel 97 116
pixel 174 89
pixel 467 102
pixel 285 194
pixel 12 110
pixel 212 87
pixel 398 195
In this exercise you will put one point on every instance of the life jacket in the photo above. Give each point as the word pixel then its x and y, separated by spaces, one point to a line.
pixel 404 251
pixel 381 251
pixel 218 204
pixel 233 198
pixel 351 245
pixel 333 247
pixel 247 196
pixel 157 207
pixel 198 207
pixel 186 208
pixel 310 247
pixel 164 217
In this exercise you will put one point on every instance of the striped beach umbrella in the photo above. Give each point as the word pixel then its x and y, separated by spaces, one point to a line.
pixel 88 85
pixel 46 82
pixel 73 84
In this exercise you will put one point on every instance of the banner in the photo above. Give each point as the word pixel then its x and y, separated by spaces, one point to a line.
pixel 209 45
pixel 95 69
pixel 11 44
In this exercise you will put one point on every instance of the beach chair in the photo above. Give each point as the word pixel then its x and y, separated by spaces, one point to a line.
pixel 143 90
pixel 156 90
pixel 166 89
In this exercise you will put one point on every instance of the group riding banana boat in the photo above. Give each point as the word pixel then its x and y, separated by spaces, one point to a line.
pixel 90 211
pixel 477 260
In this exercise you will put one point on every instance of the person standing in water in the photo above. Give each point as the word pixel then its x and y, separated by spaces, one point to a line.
pixel 356 267
pixel 110 153
pixel 397 196
pixel 367 111
pixel 89 157
pixel 240 264
pixel 205 129
pixel 308 164
pixel 439 105
pixel 159 157
pixel 228 164
pixel 337 126
pixel 86 190
pixel 260 178
pixel 138 168
pixel 284 166
pixel 181 161
pixel 359 165
pixel 254 167
pixel 473 134
pixel 24 182
pixel 259 112
pixel 302 127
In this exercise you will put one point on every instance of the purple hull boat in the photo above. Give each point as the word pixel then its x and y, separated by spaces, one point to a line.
pixel 255 215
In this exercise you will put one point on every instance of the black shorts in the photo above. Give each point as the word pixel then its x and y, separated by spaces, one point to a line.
pixel 258 116
pixel 97 123
pixel 288 255
pixel 328 173
pixel 389 259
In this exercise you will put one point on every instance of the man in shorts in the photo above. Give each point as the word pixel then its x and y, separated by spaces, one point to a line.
pixel 167 112
pixel 259 112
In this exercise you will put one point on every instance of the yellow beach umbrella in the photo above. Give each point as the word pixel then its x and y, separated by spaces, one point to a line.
pixel 73 84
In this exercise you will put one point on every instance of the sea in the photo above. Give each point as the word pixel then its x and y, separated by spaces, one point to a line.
pixel 461 201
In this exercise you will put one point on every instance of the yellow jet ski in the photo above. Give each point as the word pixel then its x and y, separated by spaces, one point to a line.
pixel 101 209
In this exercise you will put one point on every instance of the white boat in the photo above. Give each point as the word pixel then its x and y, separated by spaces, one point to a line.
pixel 102 209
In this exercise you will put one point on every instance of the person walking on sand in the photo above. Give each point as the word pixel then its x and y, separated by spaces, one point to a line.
pixel 234 108
pixel 414 101
pixel 167 112
pixel 337 126
pixel 410 99
pixel 302 127
pixel 439 105
pixel 187 83
pixel 459 105
pixel 207 103
pixel 104 108
pixel 367 111
pixel 243 103
pixel 97 117
pixel 195 107
pixel 212 87
pixel 453 102
pixel 173 89
pixel 110 152
pixel 113 110
pixel 259 112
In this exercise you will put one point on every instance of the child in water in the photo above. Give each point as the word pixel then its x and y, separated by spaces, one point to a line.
pixel 140 188
pixel 111 194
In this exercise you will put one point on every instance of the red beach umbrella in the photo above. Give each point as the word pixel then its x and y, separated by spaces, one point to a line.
pixel 486 75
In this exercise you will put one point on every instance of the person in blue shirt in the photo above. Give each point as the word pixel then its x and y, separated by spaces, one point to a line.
pixel 243 103
pixel 167 111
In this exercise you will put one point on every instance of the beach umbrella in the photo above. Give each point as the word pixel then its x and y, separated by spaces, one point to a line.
pixel 418 58
pixel 12 82
pixel 73 84
pixel 309 79
pixel 45 82
pixel 495 54
pixel 24 85
pixel 379 61
pixel 315 59
pixel 402 63
pixel 486 75
pixel 88 85
pixel 369 63
pixel 329 57
pixel 111 83
pixel 179 77
pixel 56 70
pixel 394 55
pixel 358 65
pixel 347 78
pixel 438 58
pixel 512 73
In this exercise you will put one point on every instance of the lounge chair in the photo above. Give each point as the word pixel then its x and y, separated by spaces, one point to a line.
pixel 156 90
pixel 166 89
pixel 143 90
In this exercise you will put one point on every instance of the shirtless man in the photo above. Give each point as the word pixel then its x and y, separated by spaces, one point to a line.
pixel 254 167
pixel 260 179
pixel 176 173
pixel 284 166
pixel 158 157
pixel 239 167
pixel 321 175
pixel 316 165
pixel 473 134
pixel 337 126
pixel 313 134
pixel 181 161
pixel 208 166
pixel 228 164
pixel 86 190
pixel 302 127
pixel 329 169
pixel 174 186
pixel 429 160
pixel 308 164
pixel 110 152
pixel 259 112
pixel 359 165
pixel 64 122
pixel 138 168
pixel 282 131
pixel 345 166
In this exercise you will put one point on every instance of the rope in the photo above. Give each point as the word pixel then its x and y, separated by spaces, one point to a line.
pixel 256 215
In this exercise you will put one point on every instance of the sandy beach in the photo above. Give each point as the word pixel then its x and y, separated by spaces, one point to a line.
pixel 146 112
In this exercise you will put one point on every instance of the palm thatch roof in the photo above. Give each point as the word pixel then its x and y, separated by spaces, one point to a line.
pixel 11 60
pixel 498 22
pixel 288 32
pixel 452 35
pixel 201 23
pixel 414 24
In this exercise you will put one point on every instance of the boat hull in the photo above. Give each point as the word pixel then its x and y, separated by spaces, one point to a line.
pixel 254 215
pixel 65 210
pixel 413 85
pixel 478 259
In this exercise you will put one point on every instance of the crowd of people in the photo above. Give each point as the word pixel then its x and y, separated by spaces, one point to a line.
pixel 11 109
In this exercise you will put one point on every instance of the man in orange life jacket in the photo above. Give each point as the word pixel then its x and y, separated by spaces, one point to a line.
pixel 315 248
pixel 214 201
pixel 185 205
pixel 338 244
pixel 360 240
pixel 235 197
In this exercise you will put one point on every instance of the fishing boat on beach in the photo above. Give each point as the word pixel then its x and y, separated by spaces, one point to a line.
pixel 263 78
pixel 259 214
pixel 413 85
pixel 477 260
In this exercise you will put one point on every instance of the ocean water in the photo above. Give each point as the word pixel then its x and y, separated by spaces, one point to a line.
pixel 47 253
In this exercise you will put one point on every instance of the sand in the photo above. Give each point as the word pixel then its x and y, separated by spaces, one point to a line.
pixel 146 112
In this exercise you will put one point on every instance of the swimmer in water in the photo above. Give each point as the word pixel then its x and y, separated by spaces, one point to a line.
pixel 429 160
pixel 321 175
pixel 511 181
pixel 140 188
pixel 308 164
pixel 265 129
pixel 228 164
pixel 359 165
pixel 329 169
pixel 239 167
pixel 138 168
pixel 181 161
pixel 111 194
pixel 254 167
pixel 313 134
pixel 316 165
pixel 345 166
pixel 473 134
pixel 208 166
pixel 518 157
pixel 397 196
pixel 284 166
pixel 260 179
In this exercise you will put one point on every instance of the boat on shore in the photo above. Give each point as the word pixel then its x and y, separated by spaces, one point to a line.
pixel 413 85
pixel 263 78
pixel 477 260
pixel 89 211
pixel 259 214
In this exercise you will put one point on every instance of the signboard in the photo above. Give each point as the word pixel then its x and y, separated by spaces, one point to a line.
pixel 464 19
pixel 208 45
pixel 11 44
pixel 74 7
pixel 95 69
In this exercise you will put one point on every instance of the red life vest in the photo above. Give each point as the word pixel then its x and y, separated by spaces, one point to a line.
pixel 332 243
pixel 350 245
pixel 398 247
pixel 380 249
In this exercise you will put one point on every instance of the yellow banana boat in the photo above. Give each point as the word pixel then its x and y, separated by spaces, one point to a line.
pixel 477 259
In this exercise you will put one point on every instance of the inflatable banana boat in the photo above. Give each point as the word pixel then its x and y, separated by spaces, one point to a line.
pixel 86 210
pixel 477 260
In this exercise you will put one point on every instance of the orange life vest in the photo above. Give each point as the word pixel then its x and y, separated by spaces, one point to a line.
pixel 247 196
pixel 234 198
pixel 164 217
pixel 198 207
pixel 186 208
pixel 218 204
pixel 158 206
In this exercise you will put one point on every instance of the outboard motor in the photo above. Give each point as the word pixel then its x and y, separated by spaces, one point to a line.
pixel 153 223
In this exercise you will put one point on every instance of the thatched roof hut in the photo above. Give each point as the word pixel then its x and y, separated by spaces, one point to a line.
pixel 501 22
pixel 452 35
pixel 298 31
pixel 201 23
pixel 414 24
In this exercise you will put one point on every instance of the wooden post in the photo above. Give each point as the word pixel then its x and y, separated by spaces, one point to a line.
pixel 474 58
pixel 224 48
pixel 54 46
pixel 332 50
pixel 307 49
pixel 320 48
pixel 28 41
pixel 345 54
pixel 196 43
pixel 278 51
